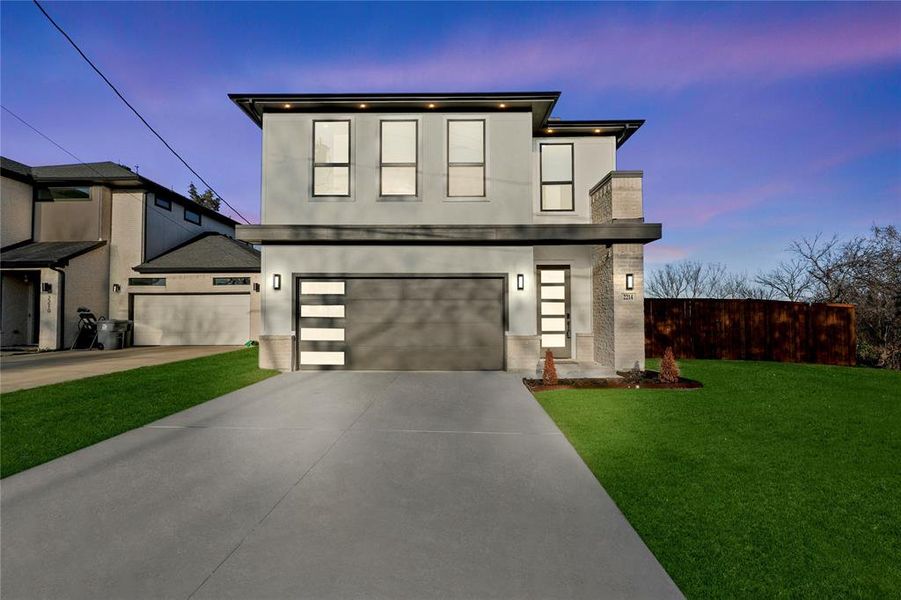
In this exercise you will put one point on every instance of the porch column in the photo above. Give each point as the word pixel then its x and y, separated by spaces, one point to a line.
pixel 618 312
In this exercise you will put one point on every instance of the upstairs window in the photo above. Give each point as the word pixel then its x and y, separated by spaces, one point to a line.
pixel 465 158
pixel 399 153
pixel 331 158
pixel 50 194
pixel 192 216
pixel 163 203
pixel 556 177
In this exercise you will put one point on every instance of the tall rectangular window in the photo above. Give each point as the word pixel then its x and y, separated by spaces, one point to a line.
pixel 331 158
pixel 399 150
pixel 465 158
pixel 556 177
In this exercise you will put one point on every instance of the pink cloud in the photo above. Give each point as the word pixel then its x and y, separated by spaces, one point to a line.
pixel 662 55
pixel 664 253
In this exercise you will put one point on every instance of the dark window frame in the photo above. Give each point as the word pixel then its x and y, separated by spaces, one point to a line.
pixel 231 280
pixel 483 164
pixel 414 164
pixel 331 164
pixel 195 212
pixel 572 176
pixel 147 281
pixel 45 193
pixel 163 203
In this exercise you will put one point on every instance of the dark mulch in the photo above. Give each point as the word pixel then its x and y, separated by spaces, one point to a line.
pixel 650 380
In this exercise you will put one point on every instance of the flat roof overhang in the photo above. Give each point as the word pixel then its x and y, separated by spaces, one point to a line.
pixel 620 232
pixel 540 104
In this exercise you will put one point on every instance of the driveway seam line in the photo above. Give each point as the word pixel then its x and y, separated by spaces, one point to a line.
pixel 285 495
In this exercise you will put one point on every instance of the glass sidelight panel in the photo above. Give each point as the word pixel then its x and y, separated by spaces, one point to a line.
pixel 554 310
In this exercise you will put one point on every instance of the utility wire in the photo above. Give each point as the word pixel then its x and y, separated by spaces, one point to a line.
pixel 134 110
pixel 88 165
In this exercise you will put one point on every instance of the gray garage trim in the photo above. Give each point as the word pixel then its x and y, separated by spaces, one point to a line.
pixel 448 357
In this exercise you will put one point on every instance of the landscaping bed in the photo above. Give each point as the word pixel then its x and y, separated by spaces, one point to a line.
pixel 649 380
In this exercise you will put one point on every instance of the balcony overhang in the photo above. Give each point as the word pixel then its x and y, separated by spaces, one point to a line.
pixel 618 232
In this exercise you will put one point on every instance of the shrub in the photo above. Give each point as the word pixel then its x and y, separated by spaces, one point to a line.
pixel 634 375
pixel 669 370
pixel 549 376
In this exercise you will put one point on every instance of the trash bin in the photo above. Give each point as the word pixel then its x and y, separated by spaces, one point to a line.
pixel 112 334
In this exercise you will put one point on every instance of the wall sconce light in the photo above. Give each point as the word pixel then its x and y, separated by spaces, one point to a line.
pixel 520 282
pixel 46 287
pixel 256 287
pixel 276 282
pixel 630 281
pixel 117 288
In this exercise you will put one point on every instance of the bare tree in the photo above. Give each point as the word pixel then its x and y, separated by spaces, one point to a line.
pixel 790 280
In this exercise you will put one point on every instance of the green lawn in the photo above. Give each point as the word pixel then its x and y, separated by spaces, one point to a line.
pixel 44 423
pixel 774 480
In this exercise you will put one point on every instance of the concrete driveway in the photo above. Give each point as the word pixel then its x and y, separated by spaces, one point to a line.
pixel 329 485
pixel 22 371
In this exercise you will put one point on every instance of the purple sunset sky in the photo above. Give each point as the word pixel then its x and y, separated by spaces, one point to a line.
pixel 765 122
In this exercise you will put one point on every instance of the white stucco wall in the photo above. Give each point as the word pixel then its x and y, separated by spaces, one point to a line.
pixel 287 173
pixel 87 282
pixel 278 312
pixel 15 211
pixel 593 158
pixel 126 243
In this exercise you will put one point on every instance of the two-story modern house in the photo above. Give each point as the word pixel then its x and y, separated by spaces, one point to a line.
pixel 445 231
pixel 102 237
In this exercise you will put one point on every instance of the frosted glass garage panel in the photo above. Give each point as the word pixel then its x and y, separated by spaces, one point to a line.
pixel 556 163
pixel 553 324
pixel 322 334
pixel 322 358
pixel 398 181
pixel 552 276
pixel 399 141
pixel 553 340
pixel 557 196
pixel 331 141
pixel 466 141
pixel 328 311
pixel 322 287
pixel 331 181
pixel 466 181
pixel 553 308
pixel 552 292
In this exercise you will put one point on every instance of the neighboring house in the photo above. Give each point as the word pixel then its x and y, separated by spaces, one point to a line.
pixel 445 231
pixel 100 236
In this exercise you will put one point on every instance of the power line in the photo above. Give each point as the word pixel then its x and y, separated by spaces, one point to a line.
pixel 134 110
pixel 88 165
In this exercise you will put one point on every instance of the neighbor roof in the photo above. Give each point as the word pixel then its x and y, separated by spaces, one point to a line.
pixel 106 173
pixel 540 104
pixel 209 252
pixel 44 254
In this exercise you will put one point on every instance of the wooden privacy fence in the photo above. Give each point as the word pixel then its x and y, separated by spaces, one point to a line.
pixel 751 330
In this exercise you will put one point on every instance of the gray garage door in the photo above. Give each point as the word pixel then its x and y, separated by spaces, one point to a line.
pixel 434 323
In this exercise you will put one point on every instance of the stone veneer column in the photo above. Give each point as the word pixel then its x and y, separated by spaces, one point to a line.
pixel 618 313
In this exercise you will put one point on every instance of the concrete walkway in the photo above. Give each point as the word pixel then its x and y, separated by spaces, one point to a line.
pixel 329 485
pixel 23 371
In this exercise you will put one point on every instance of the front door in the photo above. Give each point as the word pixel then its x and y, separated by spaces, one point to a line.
pixel 554 310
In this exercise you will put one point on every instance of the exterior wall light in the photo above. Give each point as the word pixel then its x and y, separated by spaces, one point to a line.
pixel 630 281
pixel 520 282
pixel 276 282
pixel 117 288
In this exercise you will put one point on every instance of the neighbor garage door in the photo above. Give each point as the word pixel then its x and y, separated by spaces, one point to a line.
pixel 388 323
pixel 191 319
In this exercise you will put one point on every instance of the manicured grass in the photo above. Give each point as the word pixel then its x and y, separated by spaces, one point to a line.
pixel 774 480
pixel 44 423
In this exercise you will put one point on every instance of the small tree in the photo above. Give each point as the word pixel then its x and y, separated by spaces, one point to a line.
pixel 549 376
pixel 669 370
pixel 207 199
